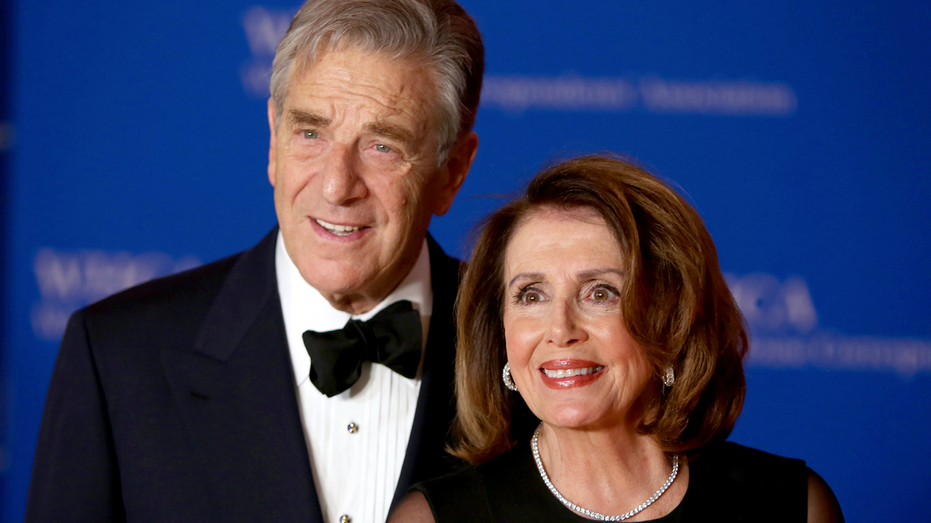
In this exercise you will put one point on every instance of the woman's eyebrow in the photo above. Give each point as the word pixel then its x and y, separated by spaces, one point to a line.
pixel 584 275
pixel 527 276
pixel 592 273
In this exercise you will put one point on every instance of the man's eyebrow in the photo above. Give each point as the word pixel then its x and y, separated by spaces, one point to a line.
pixel 298 117
pixel 391 131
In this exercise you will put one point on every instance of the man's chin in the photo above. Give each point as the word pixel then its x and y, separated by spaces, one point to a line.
pixel 344 283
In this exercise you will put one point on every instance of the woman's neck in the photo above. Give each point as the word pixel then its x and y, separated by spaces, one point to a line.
pixel 610 471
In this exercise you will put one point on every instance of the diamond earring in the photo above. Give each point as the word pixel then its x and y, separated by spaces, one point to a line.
pixel 669 378
pixel 506 376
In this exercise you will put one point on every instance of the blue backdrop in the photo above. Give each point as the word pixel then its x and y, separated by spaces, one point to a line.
pixel 799 130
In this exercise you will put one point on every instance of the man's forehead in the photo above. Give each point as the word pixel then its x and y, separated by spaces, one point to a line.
pixel 393 96
pixel 382 76
pixel 357 59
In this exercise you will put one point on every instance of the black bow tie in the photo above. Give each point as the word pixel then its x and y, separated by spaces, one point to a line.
pixel 393 337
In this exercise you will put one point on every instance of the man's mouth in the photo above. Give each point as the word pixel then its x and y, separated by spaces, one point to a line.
pixel 338 230
pixel 568 373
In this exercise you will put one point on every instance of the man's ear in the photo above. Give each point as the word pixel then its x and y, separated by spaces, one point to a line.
pixel 458 163
pixel 271 142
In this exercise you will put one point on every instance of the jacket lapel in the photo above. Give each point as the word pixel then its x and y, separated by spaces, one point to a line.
pixel 426 455
pixel 235 391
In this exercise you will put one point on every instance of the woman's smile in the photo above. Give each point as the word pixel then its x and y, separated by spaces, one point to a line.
pixel 568 373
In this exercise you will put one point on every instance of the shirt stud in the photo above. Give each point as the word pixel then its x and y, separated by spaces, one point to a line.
pixel 345 519
pixel 352 428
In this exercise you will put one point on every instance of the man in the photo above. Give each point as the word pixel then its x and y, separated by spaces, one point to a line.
pixel 217 394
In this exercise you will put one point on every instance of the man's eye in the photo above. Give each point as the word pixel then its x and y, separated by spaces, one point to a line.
pixel 382 148
pixel 311 135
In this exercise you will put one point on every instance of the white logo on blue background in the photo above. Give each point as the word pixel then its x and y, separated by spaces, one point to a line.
pixel 516 94
pixel 264 28
pixel 70 280
pixel 784 332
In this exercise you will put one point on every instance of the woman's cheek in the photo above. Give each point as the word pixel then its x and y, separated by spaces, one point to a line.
pixel 522 335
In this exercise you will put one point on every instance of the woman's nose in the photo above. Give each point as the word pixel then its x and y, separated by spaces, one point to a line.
pixel 565 328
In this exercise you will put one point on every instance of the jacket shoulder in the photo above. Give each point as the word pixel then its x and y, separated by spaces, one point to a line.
pixel 200 281
pixel 167 311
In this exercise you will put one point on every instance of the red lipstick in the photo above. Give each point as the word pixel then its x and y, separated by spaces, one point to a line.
pixel 568 373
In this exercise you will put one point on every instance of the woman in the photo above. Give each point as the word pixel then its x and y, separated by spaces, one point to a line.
pixel 596 300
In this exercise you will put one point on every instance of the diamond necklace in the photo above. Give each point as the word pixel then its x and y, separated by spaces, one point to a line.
pixel 591 513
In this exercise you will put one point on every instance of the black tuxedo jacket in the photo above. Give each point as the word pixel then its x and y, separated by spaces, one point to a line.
pixel 175 401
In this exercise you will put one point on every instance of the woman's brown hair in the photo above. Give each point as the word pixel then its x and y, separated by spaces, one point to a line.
pixel 675 304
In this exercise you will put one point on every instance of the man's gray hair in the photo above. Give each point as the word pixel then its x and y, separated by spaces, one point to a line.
pixel 437 33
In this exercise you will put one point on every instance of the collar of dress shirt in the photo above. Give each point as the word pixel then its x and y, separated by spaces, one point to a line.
pixel 304 308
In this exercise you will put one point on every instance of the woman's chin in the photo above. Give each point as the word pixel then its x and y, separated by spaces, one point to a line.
pixel 573 418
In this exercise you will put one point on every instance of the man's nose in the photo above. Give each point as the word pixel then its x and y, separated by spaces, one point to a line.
pixel 343 182
pixel 565 328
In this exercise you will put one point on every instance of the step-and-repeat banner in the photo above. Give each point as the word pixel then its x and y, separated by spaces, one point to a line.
pixel 799 130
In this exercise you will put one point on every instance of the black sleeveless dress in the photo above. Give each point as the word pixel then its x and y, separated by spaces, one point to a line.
pixel 727 483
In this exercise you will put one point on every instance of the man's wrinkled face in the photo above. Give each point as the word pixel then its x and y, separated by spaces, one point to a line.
pixel 354 165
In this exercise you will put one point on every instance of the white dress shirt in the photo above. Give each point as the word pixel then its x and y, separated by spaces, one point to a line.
pixel 357 439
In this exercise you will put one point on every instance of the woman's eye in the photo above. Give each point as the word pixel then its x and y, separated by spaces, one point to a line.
pixel 603 293
pixel 382 148
pixel 311 135
pixel 528 297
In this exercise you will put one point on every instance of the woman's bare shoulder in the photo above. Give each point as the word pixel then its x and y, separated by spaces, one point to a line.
pixel 412 509
pixel 822 505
